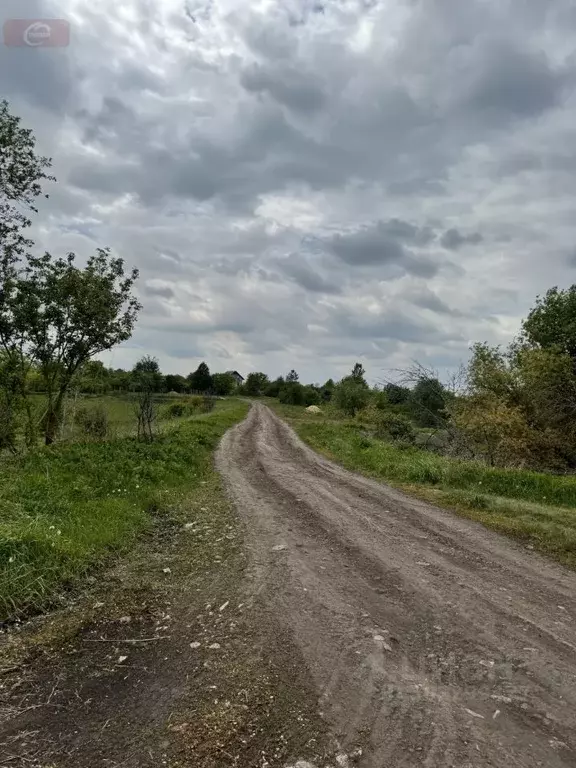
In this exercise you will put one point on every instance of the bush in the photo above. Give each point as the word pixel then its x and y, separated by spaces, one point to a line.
pixel 195 402
pixel 392 426
pixel 175 410
pixel 311 396
pixel 351 395
pixel 369 415
pixel 381 400
pixel 292 393
pixel 92 421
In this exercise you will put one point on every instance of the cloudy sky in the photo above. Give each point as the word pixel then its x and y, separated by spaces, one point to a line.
pixel 306 183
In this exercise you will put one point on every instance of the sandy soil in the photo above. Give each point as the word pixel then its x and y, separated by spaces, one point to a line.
pixel 431 641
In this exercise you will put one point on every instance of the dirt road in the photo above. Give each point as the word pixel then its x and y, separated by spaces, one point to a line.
pixel 431 641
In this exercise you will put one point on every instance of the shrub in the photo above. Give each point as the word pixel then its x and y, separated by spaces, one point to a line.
pixel 311 396
pixel 292 393
pixel 195 402
pixel 92 421
pixel 392 426
pixel 381 400
pixel 175 410
pixel 351 395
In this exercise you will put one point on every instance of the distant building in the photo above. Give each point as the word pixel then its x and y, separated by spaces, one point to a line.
pixel 237 377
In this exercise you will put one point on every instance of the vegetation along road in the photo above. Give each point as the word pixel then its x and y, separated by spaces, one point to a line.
pixel 431 641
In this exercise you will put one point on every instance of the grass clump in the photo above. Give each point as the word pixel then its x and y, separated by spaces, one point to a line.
pixel 65 509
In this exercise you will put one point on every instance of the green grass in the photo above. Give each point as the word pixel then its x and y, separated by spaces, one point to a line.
pixel 119 409
pixel 536 507
pixel 64 509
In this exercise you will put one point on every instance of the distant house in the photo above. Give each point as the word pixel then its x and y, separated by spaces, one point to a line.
pixel 237 377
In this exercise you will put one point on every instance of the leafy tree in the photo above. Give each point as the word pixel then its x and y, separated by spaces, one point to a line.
pixel 327 390
pixel 120 380
pixel 64 315
pixel 552 322
pixel 358 374
pixel 146 374
pixel 175 383
pixel 223 384
pixel 519 406
pixel 497 431
pixel 22 172
pixel 292 393
pixel 93 378
pixel 273 389
pixel 351 395
pixel 490 371
pixel 292 377
pixel 428 402
pixel 311 395
pixel 200 380
pixel 256 384
pixel 396 394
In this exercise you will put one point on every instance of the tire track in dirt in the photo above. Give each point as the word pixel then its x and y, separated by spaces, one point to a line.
pixel 431 641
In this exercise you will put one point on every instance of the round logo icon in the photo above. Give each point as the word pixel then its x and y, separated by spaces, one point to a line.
pixel 37 34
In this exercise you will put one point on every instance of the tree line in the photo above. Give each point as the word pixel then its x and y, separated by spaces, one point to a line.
pixel 96 379
pixel 513 406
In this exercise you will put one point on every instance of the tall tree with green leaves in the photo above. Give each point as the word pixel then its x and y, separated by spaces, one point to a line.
pixel 200 380
pixel 292 377
pixel 22 172
pixel 175 383
pixel 351 395
pixel 223 384
pixel 358 374
pixel 256 384
pixel 147 373
pixel 65 315
pixel 551 323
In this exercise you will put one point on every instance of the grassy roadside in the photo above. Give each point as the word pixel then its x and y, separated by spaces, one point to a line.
pixel 180 664
pixel 537 508
pixel 63 510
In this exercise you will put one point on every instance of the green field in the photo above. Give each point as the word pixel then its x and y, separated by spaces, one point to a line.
pixel 119 409
pixel 537 507
pixel 64 509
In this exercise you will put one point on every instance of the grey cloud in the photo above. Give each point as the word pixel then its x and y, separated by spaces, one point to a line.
pixel 393 325
pixel 368 247
pixel 295 267
pixel 453 239
pixel 379 244
pixel 296 90
pixel 427 299
pixel 515 82
pixel 159 290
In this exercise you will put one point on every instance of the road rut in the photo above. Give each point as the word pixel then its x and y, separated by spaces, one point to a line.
pixel 431 641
